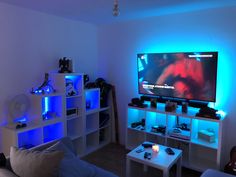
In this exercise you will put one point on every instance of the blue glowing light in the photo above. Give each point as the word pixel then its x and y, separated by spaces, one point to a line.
pixel 20 119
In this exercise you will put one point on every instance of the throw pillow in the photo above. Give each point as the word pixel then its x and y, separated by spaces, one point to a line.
pixel 26 163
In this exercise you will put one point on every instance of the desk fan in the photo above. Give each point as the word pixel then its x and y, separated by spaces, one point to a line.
pixel 18 108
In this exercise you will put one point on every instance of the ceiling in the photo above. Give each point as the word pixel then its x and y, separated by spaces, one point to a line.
pixel 100 11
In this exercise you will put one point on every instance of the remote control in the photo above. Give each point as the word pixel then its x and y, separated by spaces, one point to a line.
pixel 139 150
pixel 147 155
pixel 169 151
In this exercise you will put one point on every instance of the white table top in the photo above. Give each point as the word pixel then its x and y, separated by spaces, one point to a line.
pixel 160 160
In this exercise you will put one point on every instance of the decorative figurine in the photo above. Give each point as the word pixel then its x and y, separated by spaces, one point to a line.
pixel 45 87
pixel 65 65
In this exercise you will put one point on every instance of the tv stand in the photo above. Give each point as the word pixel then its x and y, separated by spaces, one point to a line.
pixel 201 139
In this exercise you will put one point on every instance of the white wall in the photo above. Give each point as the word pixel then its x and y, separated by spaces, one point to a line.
pixel 31 44
pixel 207 30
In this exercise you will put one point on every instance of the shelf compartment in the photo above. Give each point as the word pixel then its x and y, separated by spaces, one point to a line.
pixel 104 135
pixel 74 112
pixel 52 107
pixel 31 138
pixel 154 119
pixel 92 99
pixel 134 138
pixel 210 140
pixel 104 119
pixel 75 81
pixel 92 122
pixel 53 132
pixel 135 115
pixel 92 141
pixel 74 128
pixel 73 103
pixel 203 158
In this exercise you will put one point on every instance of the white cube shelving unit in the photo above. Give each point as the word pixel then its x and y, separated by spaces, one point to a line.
pixel 198 154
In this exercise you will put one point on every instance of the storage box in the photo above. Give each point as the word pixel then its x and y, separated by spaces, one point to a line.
pixel 206 136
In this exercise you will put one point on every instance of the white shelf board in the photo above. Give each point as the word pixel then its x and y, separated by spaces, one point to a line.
pixel 89 131
pixel 73 137
pixel 108 125
pixel 161 109
pixel 178 139
pixel 52 121
pixel 68 118
pixel 204 143
pixel 156 134
pixel 30 126
pixel 92 111
pixel 74 96
pixel 104 109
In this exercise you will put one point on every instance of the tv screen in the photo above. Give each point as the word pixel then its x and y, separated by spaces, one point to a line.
pixel 186 75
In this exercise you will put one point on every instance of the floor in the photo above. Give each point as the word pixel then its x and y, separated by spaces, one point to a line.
pixel 112 158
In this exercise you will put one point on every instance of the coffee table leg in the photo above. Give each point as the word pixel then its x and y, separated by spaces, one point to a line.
pixel 166 173
pixel 127 167
pixel 179 166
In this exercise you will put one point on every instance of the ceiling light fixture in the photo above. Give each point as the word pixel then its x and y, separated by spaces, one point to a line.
pixel 116 10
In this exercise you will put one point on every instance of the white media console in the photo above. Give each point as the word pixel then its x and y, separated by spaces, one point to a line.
pixel 201 143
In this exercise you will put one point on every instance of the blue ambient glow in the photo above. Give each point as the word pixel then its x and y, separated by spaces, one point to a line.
pixel 20 119
pixel 45 107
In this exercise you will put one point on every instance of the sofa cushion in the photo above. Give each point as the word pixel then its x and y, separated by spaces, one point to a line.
pixel 27 163
pixel 6 173
pixel 70 165
pixel 74 167
pixel 60 146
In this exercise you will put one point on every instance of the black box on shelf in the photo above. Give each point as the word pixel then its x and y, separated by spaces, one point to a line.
pixel 72 112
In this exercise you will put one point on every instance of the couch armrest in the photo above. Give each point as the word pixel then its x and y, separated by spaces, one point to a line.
pixel 215 173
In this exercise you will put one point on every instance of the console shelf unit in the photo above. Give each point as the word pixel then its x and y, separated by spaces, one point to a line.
pixel 77 116
pixel 198 154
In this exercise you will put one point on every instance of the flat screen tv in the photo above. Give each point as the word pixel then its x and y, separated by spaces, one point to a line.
pixel 183 75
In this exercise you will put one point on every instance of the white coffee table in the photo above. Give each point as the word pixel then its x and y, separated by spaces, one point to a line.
pixel 160 160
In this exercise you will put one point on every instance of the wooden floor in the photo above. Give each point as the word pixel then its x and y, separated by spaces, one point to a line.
pixel 112 158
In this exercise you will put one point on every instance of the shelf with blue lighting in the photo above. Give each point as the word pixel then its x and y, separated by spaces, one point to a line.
pixel 53 132
pixel 204 134
pixel 31 138
pixel 92 99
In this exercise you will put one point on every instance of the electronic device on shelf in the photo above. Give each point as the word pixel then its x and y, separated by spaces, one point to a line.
pixel 209 113
pixel 178 133
pixel 181 75
pixel 139 123
pixel 159 129
pixel 137 103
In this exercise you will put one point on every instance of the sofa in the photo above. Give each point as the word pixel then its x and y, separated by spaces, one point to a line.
pixel 215 173
pixel 67 165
